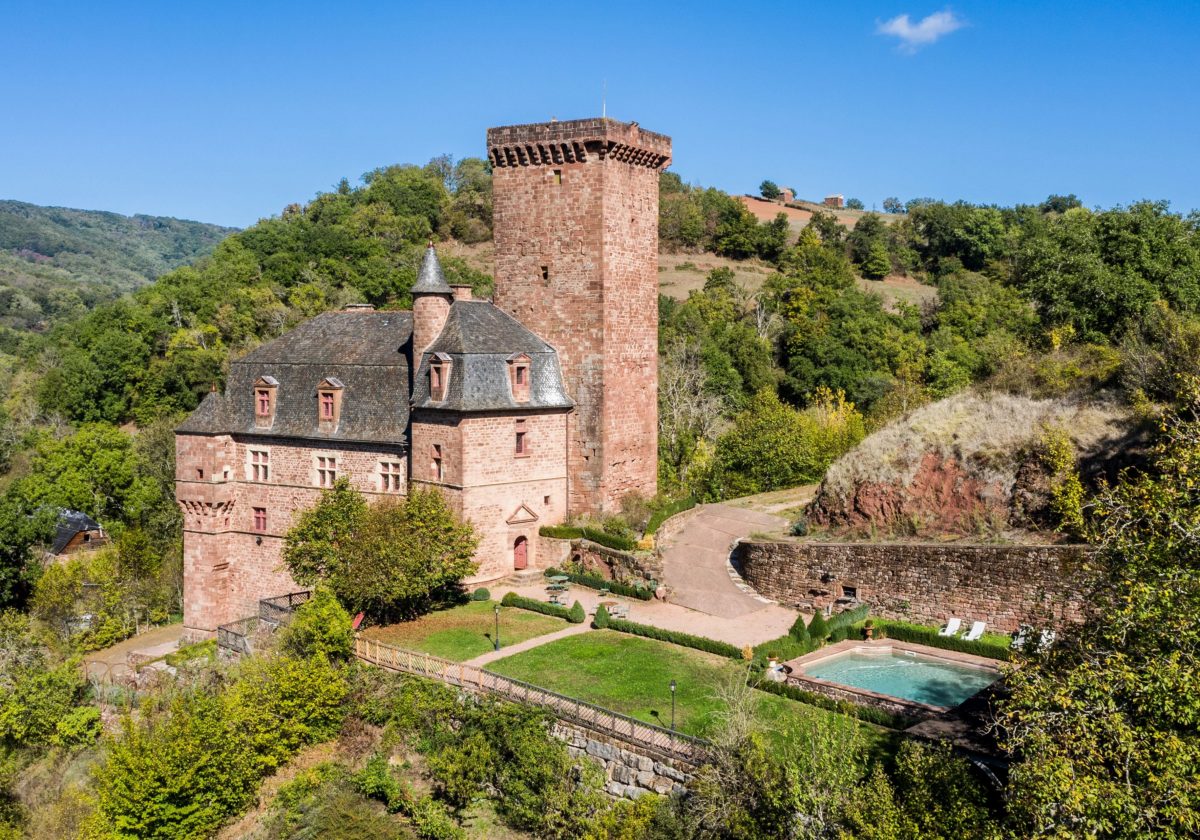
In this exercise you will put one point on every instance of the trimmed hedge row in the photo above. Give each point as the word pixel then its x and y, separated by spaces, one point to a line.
pixel 664 513
pixel 570 532
pixel 845 707
pixel 904 632
pixel 512 599
pixel 675 637
pixel 845 619
pixel 597 582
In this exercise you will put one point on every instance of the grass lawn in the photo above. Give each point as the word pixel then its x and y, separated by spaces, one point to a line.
pixel 632 675
pixel 464 632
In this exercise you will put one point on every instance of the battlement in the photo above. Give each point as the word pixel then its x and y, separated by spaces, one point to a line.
pixel 577 141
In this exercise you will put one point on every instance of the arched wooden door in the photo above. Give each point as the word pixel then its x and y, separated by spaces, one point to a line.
pixel 520 553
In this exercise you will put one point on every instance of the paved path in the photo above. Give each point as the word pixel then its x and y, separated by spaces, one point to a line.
pixel 112 662
pixel 696 562
pixel 536 641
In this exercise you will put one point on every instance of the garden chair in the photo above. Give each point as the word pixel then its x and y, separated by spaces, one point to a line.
pixel 1021 637
pixel 951 627
pixel 976 631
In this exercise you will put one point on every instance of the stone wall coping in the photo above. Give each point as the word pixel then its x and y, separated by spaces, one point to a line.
pixel 924 544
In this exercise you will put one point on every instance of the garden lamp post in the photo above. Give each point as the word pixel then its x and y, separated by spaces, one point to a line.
pixel 496 638
pixel 672 705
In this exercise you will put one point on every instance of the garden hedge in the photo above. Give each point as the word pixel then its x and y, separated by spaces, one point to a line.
pixel 512 599
pixel 593 581
pixel 904 632
pixel 845 707
pixel 569 532
pixel 676 638
pixel 664 513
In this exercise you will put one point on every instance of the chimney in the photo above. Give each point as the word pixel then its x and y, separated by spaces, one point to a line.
pixel 462 291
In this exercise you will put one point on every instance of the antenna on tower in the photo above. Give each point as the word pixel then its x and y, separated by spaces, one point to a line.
pixel 604 100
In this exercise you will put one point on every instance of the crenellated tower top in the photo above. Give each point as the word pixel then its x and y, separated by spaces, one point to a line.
pixel 575 141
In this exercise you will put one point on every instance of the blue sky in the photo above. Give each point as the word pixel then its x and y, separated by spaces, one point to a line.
pixel 226 112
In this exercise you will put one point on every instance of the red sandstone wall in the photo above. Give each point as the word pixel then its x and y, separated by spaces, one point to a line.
pixel 487 483
pixel 594 229
pixel 228 566
pixel 1004 585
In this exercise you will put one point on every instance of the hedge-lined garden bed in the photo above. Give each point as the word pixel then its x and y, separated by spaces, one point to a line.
pixel 575 614
pixel 996 647
pixel 571 532
pixel 593 581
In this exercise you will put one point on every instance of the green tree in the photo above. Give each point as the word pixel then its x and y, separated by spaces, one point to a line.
pixel 854 204
pixel 891 204
pixel 391 558
pixel 320 627
pixel 1102 729
pixel 769 190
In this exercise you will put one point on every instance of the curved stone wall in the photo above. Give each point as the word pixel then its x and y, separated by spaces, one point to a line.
pixel 1004 585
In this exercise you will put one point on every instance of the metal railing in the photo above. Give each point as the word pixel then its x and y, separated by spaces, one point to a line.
pixel 619 726
pixel 279 609
pixel 237 635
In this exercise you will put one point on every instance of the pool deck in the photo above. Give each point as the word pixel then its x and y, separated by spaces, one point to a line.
pixel 896 705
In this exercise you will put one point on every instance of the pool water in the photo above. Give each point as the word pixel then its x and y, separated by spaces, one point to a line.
pixel 909 676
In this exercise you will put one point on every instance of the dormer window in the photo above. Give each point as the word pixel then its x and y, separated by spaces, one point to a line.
pixel 439 376
pixel 518 376
pixel 265 391
pixel 329 403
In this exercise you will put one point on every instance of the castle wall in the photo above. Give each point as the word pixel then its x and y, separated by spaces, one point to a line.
pixel 575 209
pixel 503 494
pixel 228 564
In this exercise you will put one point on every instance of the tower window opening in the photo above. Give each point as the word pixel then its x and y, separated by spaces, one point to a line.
pixel 558 177
pixel 545 272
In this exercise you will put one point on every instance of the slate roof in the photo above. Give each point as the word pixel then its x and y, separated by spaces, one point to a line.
pixel 479 340
pixel 430 279
pixel 366 351
pixel 70 523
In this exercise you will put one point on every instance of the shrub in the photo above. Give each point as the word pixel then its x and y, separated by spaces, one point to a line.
pixel 481 594
pixel 79 727
pixel 818 631
pixel 904 632
pixel 576 614
pixel 512 599
pixel 866 713
pixel 561 532
pixel 594 581
pixel 847 617
pixel 667 511
pixel 799 629
pixel 601 619
pixel 799 528
pixel 614 541
pixel 676 638
pixel 320 627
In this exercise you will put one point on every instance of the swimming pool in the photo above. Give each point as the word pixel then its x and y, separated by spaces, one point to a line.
pixel 906 674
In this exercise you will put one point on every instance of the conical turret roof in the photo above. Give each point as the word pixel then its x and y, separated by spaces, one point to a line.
pixel 430 280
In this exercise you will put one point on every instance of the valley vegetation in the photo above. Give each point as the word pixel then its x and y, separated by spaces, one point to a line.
pixel 760 389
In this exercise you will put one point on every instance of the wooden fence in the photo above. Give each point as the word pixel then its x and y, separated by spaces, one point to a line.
pixel 614 724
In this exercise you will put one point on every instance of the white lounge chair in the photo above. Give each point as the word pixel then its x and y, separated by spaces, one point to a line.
pixel 951 627
pixel 1022 637
pixel 976 632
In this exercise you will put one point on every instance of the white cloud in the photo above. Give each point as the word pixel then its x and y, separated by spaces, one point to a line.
pixel 913 36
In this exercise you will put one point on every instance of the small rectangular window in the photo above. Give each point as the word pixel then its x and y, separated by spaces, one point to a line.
pixel 546 500
pixel 326 471
pixel 264 402
pixel 436 465
pixel 260 465
pixel 326 405
pixel 558 177
pixel 390 475
pixel 199 473
pixel 522 374
pixel 545 272
pixel 521 443
pixel 260 519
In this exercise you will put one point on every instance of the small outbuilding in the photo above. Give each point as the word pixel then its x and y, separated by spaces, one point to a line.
pixel 76 531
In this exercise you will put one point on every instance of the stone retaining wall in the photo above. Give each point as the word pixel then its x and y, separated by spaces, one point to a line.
pixel 1004 585
pixel 622 566
pixel 627 773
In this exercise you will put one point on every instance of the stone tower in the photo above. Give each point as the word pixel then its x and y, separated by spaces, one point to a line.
pixel 576 239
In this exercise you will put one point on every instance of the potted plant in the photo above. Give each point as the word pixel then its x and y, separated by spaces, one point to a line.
pixel 869 629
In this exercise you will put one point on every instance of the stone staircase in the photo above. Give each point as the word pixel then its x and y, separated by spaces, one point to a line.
pixel 525 577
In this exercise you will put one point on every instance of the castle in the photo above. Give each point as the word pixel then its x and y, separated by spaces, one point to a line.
pixel 526 410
